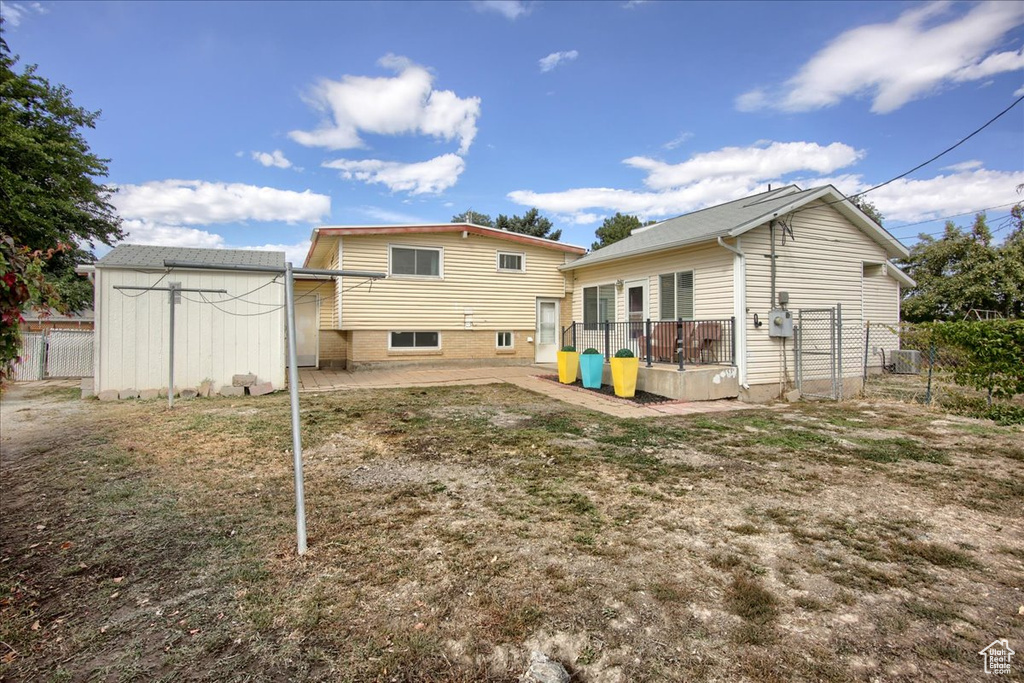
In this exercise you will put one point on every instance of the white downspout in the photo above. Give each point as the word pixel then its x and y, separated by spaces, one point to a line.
pixel 739 299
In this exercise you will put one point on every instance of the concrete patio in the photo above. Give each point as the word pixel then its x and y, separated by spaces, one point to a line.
pixel 529 377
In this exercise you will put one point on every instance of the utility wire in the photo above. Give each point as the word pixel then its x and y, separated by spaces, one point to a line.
pixel 925 163
pixel 943 152
pixel 150 289
pixel 955 215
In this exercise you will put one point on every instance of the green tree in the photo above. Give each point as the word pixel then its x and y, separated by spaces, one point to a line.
pixel 530 223
pixel 961 271
pixel 615 228
pixel 867 207
pixel 473 217
pixel 49 195
pixel 51 205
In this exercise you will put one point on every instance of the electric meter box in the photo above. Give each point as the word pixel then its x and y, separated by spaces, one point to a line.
pixel 780 323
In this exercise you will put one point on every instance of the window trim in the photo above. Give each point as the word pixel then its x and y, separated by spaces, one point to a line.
pixel 613 300
pixel 522 261
pixel 403 276
pixel 413 349
pixel 511 338
pixel 675 294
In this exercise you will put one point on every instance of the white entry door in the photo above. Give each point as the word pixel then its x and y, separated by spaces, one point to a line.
pixel 636 313
pixel 307 337
pixel 546 344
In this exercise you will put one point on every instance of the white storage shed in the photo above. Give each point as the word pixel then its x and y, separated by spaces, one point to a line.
pixel 216 336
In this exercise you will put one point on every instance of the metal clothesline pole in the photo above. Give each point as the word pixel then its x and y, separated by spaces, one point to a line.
pixel 293 363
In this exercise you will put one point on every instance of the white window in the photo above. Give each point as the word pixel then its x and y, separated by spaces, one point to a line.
pixel 598 305
pixel 510 261
pixel 414 340
pixel 416 261
pixel 675 291
pixel 504 340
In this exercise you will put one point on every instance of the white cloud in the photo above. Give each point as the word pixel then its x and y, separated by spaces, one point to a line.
pixel 198 202
pixel 144 232
pixel 555 58
pixel 510 9
pixel 275 158
pixel 295 253
pixel 425 177
pixel 404 104
pixel 386 216
pixel 965 166
pixel 1019 91
pixel 633 4
pixel 764 161
pixel 703 180
pixel 945 195
pixel 901 61
pixel 967 188
pixel 579 218
pixel 16 12
pixel 678 140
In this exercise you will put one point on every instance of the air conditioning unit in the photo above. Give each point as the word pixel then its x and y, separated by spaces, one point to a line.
pixel 906 362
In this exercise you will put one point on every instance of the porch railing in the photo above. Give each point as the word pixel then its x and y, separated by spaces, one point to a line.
pixel 677 342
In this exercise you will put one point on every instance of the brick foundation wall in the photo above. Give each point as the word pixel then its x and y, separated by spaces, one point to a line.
pixel 370 347
pixel 333 348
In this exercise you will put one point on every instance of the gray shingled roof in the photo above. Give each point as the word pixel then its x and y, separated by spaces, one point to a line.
pixel 699 226
pixel 145 256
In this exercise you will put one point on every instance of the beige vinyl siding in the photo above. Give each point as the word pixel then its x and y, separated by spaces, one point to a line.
pixel 325 289
pixel 822 265
pixel 712 268
pixel 881 295
pixel 132 330
pixel 498 300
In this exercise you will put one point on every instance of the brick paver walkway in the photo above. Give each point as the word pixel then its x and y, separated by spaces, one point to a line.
pixel 525 376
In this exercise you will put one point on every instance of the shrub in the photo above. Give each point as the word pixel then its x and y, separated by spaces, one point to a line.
pixel 624 353
pixel 569 348
pixel 591 352
pixel 992 351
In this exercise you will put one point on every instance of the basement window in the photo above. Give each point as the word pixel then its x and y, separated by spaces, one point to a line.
pixel 414 340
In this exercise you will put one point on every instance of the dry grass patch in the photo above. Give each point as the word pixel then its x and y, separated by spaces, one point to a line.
pixel 453 529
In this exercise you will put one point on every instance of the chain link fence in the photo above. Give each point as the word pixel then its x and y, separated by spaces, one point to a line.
pixel 839 359
pixel 903 362
pixel 55 353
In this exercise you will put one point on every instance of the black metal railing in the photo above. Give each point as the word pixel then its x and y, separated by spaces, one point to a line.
pixel 678 342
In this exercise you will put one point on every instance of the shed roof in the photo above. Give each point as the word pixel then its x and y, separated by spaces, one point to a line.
pixel 732 219
pixel 148 256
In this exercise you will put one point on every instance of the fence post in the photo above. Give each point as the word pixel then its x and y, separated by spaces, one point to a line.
pixel 839 349
pixel 574 334
pixel 867 338
pixel 732 339
pixel 931 362
pixel 679 342
pixel 607 340
pixel 43 334
pixel 647 343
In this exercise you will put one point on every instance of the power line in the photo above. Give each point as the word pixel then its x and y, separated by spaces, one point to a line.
pixel 943 152
pixel 147 289
pixel 925 163
pixel 956 215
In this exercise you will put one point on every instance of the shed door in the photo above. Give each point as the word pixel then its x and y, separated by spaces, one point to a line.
pixel 307 338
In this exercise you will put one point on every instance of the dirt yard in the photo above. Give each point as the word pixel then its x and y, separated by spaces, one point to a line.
pixel 452 530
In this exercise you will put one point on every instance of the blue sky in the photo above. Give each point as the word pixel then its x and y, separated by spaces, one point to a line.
pixel 248 124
